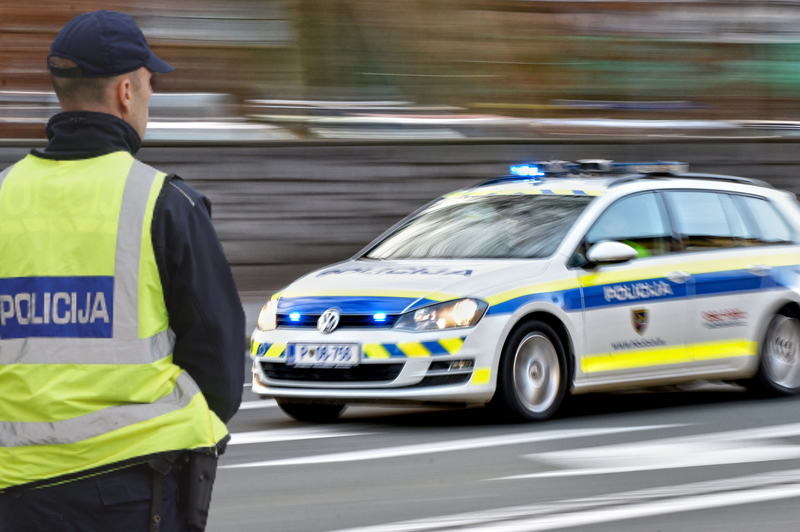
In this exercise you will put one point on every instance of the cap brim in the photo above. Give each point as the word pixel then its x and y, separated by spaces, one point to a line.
pixel 156 64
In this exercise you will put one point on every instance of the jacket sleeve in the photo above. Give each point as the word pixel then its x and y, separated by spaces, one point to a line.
pixel 205 311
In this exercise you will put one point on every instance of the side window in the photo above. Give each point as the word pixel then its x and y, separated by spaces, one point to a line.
pixel 741 231
pixel 707 220
pixel 637 221
pixel 768 224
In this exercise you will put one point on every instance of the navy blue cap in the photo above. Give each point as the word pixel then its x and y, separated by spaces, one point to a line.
pixel 104 44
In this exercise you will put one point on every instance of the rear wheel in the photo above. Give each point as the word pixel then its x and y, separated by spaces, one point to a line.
pixel 316 412
pixel 533 373
pixel 779 372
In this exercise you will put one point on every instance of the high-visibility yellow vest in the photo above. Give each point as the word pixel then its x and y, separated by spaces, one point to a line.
pixel 86 374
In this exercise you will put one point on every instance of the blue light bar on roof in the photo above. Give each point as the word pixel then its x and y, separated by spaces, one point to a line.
pixel 526 170
pixel 594 167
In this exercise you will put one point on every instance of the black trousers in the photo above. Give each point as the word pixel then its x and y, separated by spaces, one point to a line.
pixel 113 502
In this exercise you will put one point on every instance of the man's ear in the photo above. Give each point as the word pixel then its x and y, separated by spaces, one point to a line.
pixel 124 94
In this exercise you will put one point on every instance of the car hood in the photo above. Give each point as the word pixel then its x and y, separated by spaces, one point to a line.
pixel 393 287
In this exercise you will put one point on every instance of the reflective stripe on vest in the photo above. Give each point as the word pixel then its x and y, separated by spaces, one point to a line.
pixel 85 350
pixel 98 423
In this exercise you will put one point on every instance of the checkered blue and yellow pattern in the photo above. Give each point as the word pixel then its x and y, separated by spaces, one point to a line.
pixel 448 346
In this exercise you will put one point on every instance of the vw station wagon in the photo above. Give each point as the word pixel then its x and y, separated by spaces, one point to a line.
pixel 562 278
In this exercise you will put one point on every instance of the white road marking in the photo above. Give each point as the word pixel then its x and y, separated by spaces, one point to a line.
pixel 266 403
pixel 730 447
pixel 612 507
pixel 647 509
pixel 675 457
pixel 448 446
pixel 310 433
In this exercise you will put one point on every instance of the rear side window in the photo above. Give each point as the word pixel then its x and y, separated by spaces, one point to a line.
pixel 707 220
pixel 768 224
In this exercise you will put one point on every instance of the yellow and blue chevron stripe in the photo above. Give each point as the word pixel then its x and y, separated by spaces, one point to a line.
pixel 267 350
pixel 445 347
pixel 450 346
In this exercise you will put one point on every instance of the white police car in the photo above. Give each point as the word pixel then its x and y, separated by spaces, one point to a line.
pixel 562 278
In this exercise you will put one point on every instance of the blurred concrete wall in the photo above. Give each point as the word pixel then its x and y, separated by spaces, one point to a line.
pixel 284 211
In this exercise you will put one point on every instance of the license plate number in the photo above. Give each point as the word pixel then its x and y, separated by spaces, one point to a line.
pixel 323 355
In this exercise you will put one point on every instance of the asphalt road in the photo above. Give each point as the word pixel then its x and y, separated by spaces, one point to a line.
pixel 708 458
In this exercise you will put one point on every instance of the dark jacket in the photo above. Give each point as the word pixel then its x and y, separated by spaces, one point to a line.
pixel 203 304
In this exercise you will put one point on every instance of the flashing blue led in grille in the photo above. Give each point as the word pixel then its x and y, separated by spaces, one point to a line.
pixel 300 319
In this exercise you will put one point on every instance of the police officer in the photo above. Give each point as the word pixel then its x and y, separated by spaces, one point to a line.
pixel 121 330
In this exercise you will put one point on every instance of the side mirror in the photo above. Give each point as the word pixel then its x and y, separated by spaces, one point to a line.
pixel 609 252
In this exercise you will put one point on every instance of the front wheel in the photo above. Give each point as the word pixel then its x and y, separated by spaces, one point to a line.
pixel 315 412
pixel 779 372
pixel 533 373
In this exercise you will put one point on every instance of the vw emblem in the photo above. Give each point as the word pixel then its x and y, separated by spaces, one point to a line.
pixel 328 321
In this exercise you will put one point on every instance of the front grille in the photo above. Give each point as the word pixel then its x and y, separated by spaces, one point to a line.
pixel 360 373
pixel 345 321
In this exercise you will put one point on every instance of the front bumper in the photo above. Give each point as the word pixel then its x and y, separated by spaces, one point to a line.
pixel 396 367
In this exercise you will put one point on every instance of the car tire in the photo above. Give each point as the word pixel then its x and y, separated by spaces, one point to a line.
pixel 532 380
pixel 779 367
pixel 315 412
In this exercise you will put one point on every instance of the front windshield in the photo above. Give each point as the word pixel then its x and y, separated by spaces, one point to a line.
pixel 484 227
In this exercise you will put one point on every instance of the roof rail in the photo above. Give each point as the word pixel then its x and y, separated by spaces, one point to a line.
pixel 705 177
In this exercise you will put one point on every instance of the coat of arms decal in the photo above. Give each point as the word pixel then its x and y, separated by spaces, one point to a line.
pixel 639 318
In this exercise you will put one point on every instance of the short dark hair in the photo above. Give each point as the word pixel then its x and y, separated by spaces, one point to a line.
pixel 79 90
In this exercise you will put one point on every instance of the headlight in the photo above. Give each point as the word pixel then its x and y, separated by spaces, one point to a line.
pixel 449 315
pixel 268 318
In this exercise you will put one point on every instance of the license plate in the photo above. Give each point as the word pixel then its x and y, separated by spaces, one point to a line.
pixel 323 355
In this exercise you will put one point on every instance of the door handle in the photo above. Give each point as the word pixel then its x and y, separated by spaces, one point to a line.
pixel 679 277
pixel 760 269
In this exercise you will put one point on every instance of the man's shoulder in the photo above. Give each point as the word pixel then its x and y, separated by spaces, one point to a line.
pixel 178 200
pixel 181 220
pixel 180 191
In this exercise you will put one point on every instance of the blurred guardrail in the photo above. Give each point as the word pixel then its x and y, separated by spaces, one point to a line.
pixel 212 117
pixel 173 117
